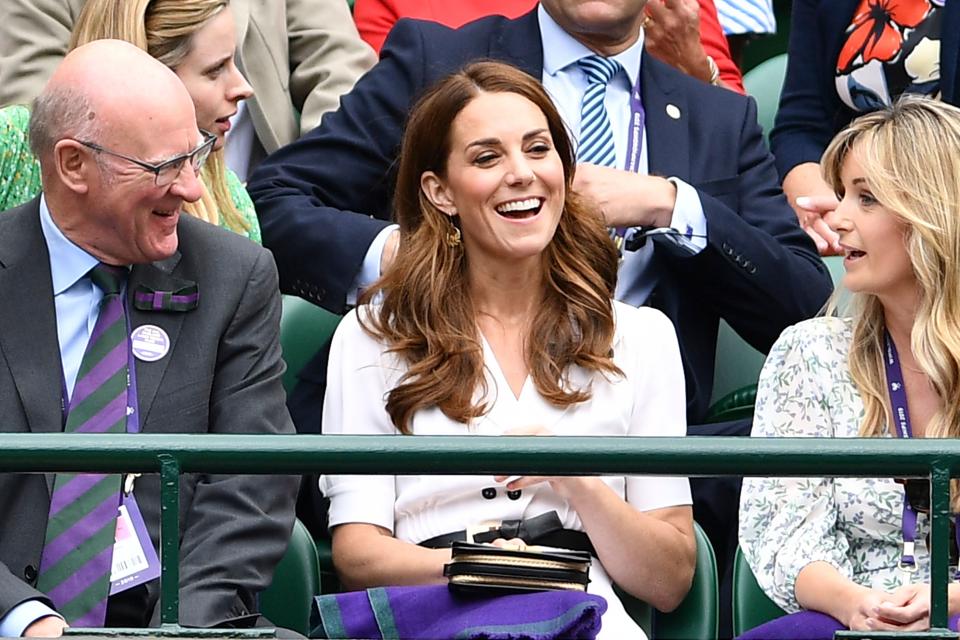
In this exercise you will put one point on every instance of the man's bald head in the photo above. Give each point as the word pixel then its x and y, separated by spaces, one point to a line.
pixel 105 90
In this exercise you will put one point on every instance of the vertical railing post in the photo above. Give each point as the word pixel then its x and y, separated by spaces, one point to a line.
pixel 939 542
pixel 169 540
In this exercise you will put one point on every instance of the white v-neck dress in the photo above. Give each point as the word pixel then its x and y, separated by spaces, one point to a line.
pixel 649 400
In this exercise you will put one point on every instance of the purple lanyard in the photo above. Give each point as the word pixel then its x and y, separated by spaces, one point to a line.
pixel 635 137
pixel 898 402
pixel 634 145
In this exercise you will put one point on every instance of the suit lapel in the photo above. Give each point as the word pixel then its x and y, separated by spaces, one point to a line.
pixel 520 44
pixel 28 320
pixel 156 276
pixel 668 131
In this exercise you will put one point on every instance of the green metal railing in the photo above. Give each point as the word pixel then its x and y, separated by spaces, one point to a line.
pixel 172 455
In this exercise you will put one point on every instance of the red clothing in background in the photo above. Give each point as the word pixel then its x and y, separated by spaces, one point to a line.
pixel 375 18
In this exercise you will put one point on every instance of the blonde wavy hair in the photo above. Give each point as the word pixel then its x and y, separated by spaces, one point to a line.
pixel 427 316
pixel 911 155
pixel 165 29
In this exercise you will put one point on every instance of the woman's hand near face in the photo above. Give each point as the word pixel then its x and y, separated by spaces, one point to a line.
pixel 812 199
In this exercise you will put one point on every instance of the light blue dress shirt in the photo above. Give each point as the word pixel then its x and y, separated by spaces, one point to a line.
pixel 566 83
pixel 77 303
pixel 76 298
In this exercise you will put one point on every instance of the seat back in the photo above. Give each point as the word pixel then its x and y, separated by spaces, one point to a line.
pixel 751 606
pixel 764 82
pixel 287 601
pixel 736 371
pixel 696 617
pixel 304 329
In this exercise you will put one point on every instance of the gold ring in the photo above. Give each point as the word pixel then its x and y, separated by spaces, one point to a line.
pixel 647 21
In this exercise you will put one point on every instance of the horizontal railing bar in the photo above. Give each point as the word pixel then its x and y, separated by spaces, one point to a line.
pixel 695 456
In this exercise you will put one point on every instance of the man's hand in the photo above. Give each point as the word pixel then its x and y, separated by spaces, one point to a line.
pixel 672 34
pixel 627 199
pixel 46 627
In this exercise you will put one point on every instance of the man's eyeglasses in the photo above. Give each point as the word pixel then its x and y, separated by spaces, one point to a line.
pixel 167 171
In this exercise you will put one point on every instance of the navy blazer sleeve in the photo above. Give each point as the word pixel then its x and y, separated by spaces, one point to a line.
pixel 324 198
pixel 807 117
pixel 759 271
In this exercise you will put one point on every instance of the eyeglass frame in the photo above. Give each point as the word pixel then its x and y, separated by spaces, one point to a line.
pixel 206 146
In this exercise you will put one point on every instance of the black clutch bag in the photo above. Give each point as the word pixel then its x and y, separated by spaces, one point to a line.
pixel 483 567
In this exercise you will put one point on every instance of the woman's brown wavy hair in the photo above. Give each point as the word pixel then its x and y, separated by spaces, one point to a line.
pixel 426 315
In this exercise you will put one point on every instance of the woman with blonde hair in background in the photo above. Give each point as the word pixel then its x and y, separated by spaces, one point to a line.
pixel 196 39
pixel 837 549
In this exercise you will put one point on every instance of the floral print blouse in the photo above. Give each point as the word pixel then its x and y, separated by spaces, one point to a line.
pixel 892 47
pixel 805 390
pixel 20 171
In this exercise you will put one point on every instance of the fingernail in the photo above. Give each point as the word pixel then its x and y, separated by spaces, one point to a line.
pixel 803 201
pixel 868 622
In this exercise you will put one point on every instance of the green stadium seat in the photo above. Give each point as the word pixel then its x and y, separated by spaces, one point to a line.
pixel 738 366
pixel 304 329
pixel 751 606
pixel 735 376
pixel 287 601
pixel 764 82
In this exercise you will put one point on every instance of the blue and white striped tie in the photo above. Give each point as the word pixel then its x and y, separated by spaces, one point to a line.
pixel 596 135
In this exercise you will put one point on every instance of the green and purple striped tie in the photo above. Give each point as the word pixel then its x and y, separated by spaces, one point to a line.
pixel 78 548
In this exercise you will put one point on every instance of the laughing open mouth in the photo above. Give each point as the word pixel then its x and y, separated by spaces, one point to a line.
pixel 520 209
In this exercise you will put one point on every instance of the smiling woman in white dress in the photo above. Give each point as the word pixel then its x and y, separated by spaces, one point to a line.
pixel 497 319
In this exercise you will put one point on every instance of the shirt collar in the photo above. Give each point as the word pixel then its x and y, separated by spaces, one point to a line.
pixel 565 50
pixel 68 262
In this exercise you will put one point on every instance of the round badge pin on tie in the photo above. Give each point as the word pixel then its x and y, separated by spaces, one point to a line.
pixel 149 343
pixel 673 111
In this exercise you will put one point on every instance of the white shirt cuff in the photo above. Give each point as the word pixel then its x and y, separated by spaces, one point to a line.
pixel 22 616
pixel 370 270
pixel 688 219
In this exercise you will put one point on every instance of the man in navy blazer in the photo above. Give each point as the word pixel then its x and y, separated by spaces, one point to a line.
pixel 324 200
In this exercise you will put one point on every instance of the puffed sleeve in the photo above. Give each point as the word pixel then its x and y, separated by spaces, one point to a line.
pixel 354 404
pixel 660 405
pixel 788 523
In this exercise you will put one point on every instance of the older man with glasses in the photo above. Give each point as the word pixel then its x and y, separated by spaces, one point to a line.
pixel 121 315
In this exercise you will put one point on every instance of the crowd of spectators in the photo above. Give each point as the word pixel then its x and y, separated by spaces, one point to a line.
pixel 533 216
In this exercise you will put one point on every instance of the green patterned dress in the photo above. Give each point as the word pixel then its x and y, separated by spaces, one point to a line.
pixel 20 171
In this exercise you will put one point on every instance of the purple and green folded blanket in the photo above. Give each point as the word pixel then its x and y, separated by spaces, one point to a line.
pixel 435 613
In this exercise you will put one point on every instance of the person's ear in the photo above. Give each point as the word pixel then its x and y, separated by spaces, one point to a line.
pixel 437 193
pixel 72 163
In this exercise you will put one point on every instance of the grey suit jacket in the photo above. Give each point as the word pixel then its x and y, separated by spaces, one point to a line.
pixel 299 56
pixel 221 375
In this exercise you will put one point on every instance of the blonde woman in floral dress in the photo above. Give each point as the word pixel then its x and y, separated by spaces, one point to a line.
pixel 829 548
